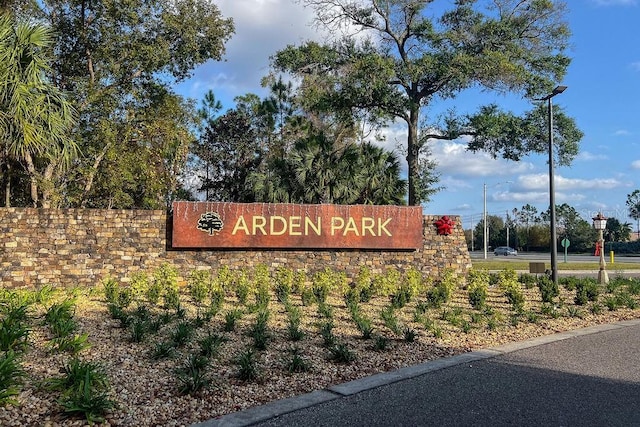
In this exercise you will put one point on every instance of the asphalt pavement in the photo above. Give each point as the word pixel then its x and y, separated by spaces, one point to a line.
pixel 586 377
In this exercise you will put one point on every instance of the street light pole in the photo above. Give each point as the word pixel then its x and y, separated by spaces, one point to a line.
pixel 484 219
pixel 600 224
pixel 552 197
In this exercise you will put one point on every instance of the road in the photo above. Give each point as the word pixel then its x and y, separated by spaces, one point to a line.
pixel 545 257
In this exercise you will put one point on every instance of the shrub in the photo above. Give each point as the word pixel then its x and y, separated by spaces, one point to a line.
pixel 139 283
pixel 231 318
pixel 586 290
pixel 402 297
pixel 84 390
pixel 511 287
pixel 182 333
pixel 528 280
pixel 365 326
pixel 162 350
pixel 299 281
pixel 362 285
pixel 225 278
pixel 340 353
pixel 165 284
pixel 390 319
pixel 259 331
pixel 70 344
pixel 199 285
pixel 242 287
pixel 326 331
pixel 410 334
pixel 13 334
pixel 248 369
pixel 11 374
pixel 478 295
pixel 192 376
pixel 436 296
pixel 322 285
pixel 284 283
pixel 568 282
pixel 217 300
pixel 262 296
pixel 548 289
pixel 611 302
pixel 296 362
pixel 307 296
pixel 210 344
pixel 294 316
pixel 325 310
pixel 380 343
pixel 110 288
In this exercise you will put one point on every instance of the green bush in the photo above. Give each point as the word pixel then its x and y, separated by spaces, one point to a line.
pixel 528 280
pixel 192 374
pixel 84 390
pixel 509 284
pixel 248 369
pixel 199 285
pixel 586 290
pixel 296 362
pixel 548 289
pixel 340 353
pixel 11 374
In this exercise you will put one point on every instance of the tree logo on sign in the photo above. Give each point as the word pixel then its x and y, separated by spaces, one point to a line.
pixel 210 222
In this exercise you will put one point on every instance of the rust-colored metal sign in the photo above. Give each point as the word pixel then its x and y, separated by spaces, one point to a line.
pixel 276 225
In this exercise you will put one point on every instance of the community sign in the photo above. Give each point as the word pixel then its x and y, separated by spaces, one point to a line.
pixel 279 225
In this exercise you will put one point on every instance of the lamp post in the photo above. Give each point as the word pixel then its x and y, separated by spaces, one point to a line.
pixel 600 224
pixel 552 197
pixel 484 219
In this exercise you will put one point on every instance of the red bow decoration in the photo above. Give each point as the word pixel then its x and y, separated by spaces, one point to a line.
pixel 444 225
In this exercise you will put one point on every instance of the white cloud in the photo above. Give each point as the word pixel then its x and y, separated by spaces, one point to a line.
pixel 540 182
pixel 454 159
pixel 586 156
pixel 635 164
pixel 615 2
pixel 262 27
pixel 622 132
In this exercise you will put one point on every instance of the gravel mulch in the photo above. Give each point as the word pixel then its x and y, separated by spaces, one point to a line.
pixel 146 390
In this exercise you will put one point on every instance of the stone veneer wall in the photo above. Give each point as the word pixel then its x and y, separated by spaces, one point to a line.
pixel 71 247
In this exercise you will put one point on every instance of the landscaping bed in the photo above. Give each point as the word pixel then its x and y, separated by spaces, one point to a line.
pixel 158 351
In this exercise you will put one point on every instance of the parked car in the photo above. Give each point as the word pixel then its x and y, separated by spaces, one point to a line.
pixel 505 250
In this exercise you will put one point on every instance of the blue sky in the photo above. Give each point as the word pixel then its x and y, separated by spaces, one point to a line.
pixel 603 96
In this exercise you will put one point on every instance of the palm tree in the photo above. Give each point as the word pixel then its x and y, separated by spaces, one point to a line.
pixel 324 171
pixel 35 117
pixel 379 179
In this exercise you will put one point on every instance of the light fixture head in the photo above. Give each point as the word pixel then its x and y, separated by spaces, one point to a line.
pixel 600 221
pixel 558 89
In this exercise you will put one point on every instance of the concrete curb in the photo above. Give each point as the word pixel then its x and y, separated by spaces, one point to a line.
pixel 279 407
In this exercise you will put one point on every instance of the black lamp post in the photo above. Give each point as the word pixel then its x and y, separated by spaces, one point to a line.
pixel 552 197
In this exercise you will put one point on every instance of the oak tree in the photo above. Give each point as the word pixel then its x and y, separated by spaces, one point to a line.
pixel 396 58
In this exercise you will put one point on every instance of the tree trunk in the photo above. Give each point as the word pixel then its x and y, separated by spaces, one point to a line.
pixel 47 189
pixel 7 185
pixel 33 182
pixel 94 170
pixel 413 150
